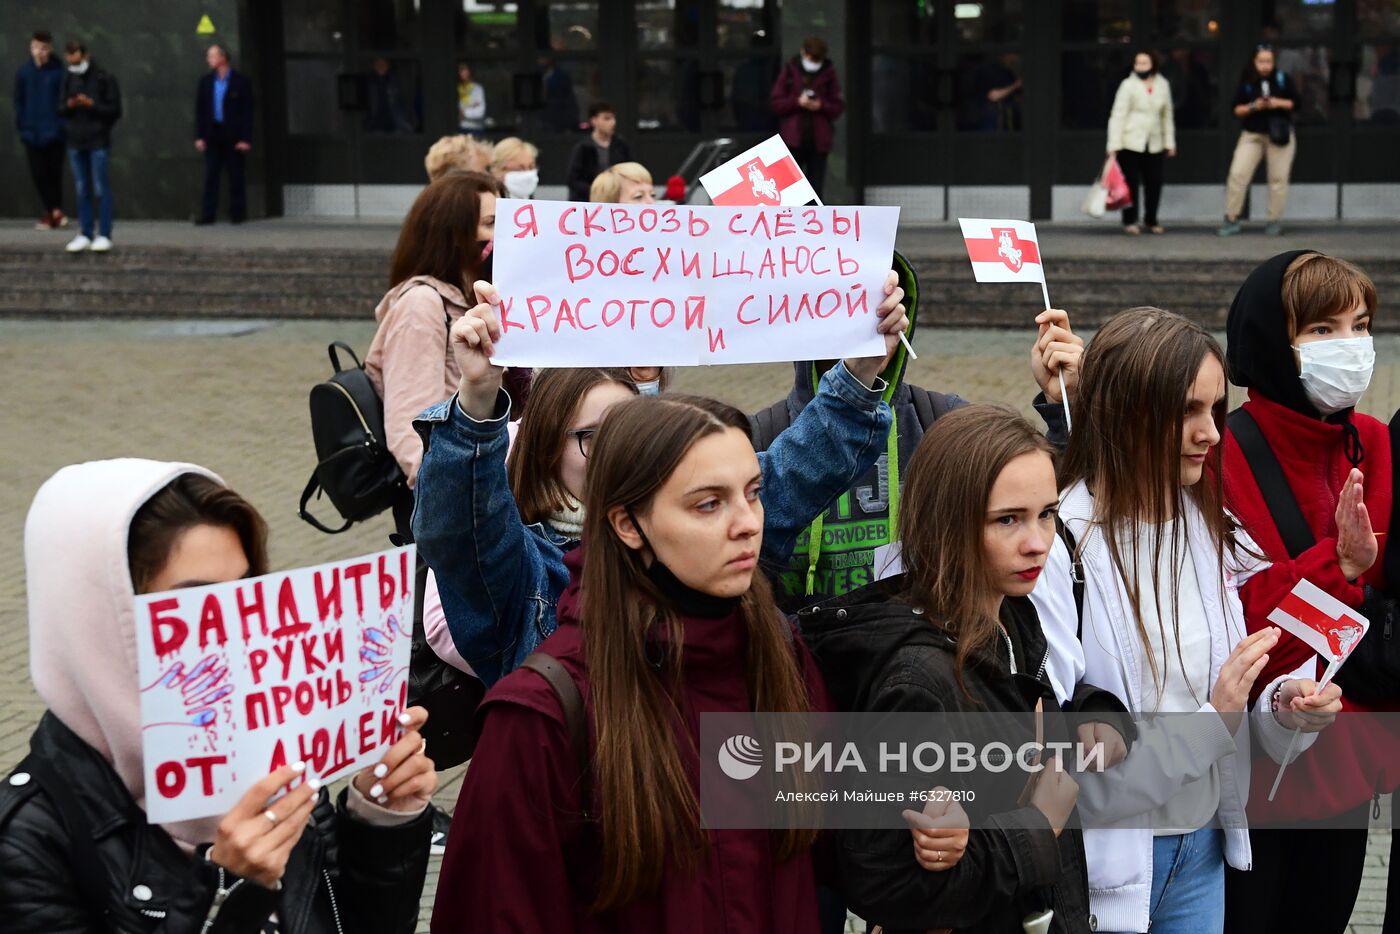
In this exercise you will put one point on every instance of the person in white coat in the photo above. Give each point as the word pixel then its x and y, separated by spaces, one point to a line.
pixel 1162 627
pixel 1142 135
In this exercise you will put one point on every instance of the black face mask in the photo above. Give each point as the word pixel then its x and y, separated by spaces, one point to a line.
pixel 1144 75
pixel 683 598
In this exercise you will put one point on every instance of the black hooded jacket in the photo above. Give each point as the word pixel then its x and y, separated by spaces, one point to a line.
pixel 860 520
pixel 879 653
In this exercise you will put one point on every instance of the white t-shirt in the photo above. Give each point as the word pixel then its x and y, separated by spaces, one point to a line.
pixel 1183 678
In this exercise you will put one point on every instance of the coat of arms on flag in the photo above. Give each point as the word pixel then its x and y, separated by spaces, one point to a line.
pixel 767 174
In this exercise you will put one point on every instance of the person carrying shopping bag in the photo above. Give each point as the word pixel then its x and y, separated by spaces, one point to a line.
pixel 1142 135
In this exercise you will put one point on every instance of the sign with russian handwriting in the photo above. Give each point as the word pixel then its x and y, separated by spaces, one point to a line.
pixel 679 285
pixel 241 678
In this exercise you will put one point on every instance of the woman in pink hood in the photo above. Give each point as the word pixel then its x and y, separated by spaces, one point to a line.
pixel 77 853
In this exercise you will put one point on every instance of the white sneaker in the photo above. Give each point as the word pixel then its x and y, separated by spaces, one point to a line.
pixel 101 245
pixel 80 243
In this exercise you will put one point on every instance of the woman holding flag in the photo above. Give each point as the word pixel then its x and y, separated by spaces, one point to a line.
pixel 1310 479
pixel 1162 628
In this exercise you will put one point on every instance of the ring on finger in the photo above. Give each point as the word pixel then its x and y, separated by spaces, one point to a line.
pixel 423 748
pixel 271 816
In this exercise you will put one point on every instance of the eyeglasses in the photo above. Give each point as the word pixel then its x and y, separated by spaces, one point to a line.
pixel 584 437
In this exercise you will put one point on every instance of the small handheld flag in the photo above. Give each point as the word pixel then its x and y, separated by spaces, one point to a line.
pixel 1329 626
pixel 1002 251
pixel 767 174
pixel 1008 251
pixel 1332 628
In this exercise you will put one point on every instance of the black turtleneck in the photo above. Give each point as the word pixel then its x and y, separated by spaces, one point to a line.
pixel 686 600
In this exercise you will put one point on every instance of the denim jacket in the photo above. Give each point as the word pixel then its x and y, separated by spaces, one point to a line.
pixel 500 579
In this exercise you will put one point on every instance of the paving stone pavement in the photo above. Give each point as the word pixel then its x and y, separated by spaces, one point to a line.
pixel 232 396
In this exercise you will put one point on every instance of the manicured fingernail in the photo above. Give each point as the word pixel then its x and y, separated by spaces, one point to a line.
pixel 314 784
pixel 299 767
pixel 381 770
pixel 377 791
pixel 405 719
pixel 383 799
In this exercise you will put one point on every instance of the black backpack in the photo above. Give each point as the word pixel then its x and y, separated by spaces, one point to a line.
pixel 355 468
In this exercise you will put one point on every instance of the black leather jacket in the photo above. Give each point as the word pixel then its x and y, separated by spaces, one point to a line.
pixel 343 876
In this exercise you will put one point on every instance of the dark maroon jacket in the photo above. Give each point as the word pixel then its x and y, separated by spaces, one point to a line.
pixel 519 859
pixel 792 81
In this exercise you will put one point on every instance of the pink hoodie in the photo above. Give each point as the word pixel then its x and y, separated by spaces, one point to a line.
pixel 410 361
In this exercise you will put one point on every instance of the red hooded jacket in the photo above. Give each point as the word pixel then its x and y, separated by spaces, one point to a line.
pixel 1354 758
pixel 519 859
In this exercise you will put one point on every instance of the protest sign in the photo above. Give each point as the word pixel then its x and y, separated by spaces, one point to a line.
pixel 767 174
pixel 644 285
pixel 241 678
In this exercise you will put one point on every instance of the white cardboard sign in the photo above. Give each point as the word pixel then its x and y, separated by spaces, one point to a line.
pixel 239 679
pixel 679 285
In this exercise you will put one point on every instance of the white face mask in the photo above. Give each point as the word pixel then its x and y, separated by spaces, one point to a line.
pixel 80 68
pixel 651 387
pixel 1335 373
pixel 810 66
pixel 522 184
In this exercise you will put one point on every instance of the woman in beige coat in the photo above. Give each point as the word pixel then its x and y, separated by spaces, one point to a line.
pixel 1142 133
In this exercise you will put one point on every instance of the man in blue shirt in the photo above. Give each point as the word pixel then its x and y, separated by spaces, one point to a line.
pixel 223 118
pixel 38 92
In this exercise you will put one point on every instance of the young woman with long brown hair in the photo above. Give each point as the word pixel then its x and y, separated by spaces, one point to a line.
pixel 1162 626
pixel 444 247
pixel 955 633
pixel 666 618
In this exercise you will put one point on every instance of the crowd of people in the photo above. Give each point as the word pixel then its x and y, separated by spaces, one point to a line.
pixel 670 556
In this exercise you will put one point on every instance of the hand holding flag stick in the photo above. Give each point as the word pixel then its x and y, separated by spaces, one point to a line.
pixel 1326 624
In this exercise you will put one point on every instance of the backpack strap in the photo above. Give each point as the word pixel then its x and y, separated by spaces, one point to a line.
pixel 90 875
pixel 575 718
pixel 313 488
pixel 1273 484
pixel 1076 575
pixel 769 423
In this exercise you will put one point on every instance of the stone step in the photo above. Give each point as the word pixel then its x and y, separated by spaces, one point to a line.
pixel 168 283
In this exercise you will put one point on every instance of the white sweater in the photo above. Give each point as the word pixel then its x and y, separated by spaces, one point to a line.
pixel 1142 119
pixel 1168 752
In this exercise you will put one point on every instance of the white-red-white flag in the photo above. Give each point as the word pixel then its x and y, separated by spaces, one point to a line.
pixel 1327 624
pixel 767 174
pixel 1002 251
